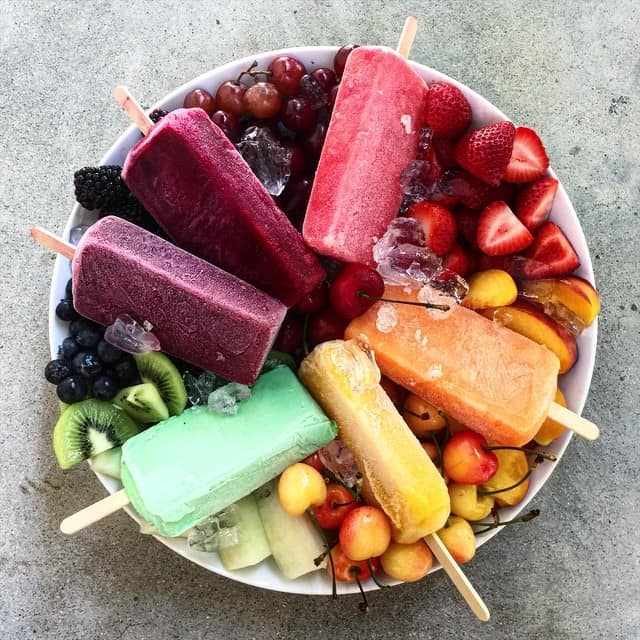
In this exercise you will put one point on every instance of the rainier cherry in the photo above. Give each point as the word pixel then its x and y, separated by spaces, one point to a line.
pixel 300 487
pixel 338 503
pixel 365 533
pixel 466 459
pixel 459 538
pixel 407 562
pixel 345 294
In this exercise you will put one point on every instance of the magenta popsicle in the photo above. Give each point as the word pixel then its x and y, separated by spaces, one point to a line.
pixel 200 313
pixel 372 137
pixel 196 185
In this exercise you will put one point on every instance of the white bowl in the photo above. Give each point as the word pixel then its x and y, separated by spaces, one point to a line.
pixel 574 384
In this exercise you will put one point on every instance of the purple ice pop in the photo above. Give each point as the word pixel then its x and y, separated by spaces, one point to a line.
pixel 200 313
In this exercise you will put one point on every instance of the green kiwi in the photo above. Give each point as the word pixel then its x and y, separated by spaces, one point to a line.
pixel 143 403
pixel 107 462
pixel 157 368
pixel 89 427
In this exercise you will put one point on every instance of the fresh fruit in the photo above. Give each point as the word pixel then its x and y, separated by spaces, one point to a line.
pixel 57 370
pixel 201 99
pixel 550 429
pixel 155 367
pixel 431 450
pixel 88 337
pixel 108 353
pixel 263 100
pixel 126 372
pixel 445 151
pixel 365 533
pixel 490 288
pixel 396 393
pixel 157 114
pixel 228 123
pixel 459 539
pixel 529 321
pixel 65 310
pixel 143 403
pixel 314 140
pixel 466 503
pixel 286 72
pixel 72 389
pixel 340 59
pixel 500 232
pixel 346 292
pixel 290 334
pixel 338 503
pixel 68 289
pixel 421 416
pixel 325 325
pixel 485 152
pixel 466 459
pixel 467 224
pixel 230 97
pixel 70 347
pixel 325 77
pixel 407 562
pixel 448 112
pixel 512 467
pixel 104 388
pixel 589 290
pixel 87 428
pixel 300 487
pixel 100 187
pixel 297 114
pixel 314 461
pixel 534 202
pixel 347 570
pixel 87 364
pixel 107 462
pixel 437 224
pixel 528 159
pixel 551 247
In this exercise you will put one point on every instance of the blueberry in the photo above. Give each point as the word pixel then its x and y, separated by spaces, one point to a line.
pixel 80 323
pixel 108 353
pixel 69 348
pixel 72 389
pixel 104 388
pixel 65 310
pixel 126 372
pixel 88 337
pixel 57 370
pixel 68 291
pixel 86 363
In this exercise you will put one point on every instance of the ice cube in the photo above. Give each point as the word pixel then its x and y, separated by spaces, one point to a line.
pixel 130 336
pixel 338 459
pixel 387 318
pixel 311 89
pixel 565 317
pixel 199 388
pixel 77 232
pixel 225 399
pixel 268 158
pixel 216 532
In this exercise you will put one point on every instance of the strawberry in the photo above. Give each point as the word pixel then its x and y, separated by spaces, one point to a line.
pixel 447 112
pixel 465 188
pixel 457 260
pixel 485 152
pixel 534 202
pixel 518 267
pixel 445 151
pixel 467 221
pixel 552 248
pixel 500 232
pixel 528 159
pixel 438 225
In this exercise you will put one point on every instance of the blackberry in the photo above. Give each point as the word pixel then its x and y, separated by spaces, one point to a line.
pixel 158 114
pixel 100 187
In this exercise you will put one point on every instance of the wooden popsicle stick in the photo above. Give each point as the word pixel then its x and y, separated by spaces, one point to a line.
pixel 407 36
pixel 456 575
pixel 574 422
pixel 134 110
pixel 94 512
pixel 47 239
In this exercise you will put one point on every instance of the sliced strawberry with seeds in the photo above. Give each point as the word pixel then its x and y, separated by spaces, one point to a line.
pixel 534 202
pixel 500 232
pixel 528 159
pixel 457 260
pixel 552 248
pixel 485 152
pixel 447 111
pixel 438 225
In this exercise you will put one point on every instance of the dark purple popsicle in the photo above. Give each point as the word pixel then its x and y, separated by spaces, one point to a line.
pixel 200 313
pixel 196 185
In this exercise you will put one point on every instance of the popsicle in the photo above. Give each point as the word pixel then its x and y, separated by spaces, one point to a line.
pixel 482 374
pixel 191 179
pixel 398 475
pixel 193 465
pixel 200 313
pixel 372 137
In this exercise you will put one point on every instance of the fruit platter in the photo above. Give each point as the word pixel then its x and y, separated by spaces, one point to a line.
pixel 323 320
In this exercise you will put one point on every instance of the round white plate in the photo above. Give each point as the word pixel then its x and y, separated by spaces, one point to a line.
pixel 574 384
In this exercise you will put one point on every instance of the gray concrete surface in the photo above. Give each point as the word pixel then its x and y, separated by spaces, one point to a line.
pixel 570 69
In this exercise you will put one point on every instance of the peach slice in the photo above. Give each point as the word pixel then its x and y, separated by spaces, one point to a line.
pixel 588 289
pixel 529 321
pixel 490 288
pixel 512 466
pixel 550 429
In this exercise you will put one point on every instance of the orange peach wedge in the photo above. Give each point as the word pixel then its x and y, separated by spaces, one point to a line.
pixel 529 321
pixel 490 288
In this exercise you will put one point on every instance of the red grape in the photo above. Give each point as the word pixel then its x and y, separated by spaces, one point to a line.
pixel 298 160
pixel 315 140
pixel 296 114
pixel 326 78
pixel 332 96
pixel 230 97
pixel 341 58
pixel 227 122
pixel 286 72
pixel 200 98
pixel 263 100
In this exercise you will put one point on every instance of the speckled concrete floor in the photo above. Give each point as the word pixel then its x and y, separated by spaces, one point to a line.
pixel 569 69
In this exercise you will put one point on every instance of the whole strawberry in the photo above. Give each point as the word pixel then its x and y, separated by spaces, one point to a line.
pixel 448 112
pixel 485 152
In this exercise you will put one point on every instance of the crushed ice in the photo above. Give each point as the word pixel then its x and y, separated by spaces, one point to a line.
pixel 312 90
pixel 216 532
pixel 199 388
pixel 131 336
pixel 77 232
pixel 225 399
pixel 336 457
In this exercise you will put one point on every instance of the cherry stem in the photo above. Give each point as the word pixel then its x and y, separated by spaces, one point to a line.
pixel 536 462
pixel 542 454
pixel 426 305
pixel 530 515
pixel 334 588
pixel 439 461
pixel 335 505
pixel 305 341
pixel 364 605
pixel 421 416
pixel 373 576
pixel 250 72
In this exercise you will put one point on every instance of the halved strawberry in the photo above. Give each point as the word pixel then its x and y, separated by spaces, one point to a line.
pixel 528 159
pixel 467 221
pixel 534 202
pixel 447 112
pixel 552 248
pixel 438 225
pixel 518 267
pixel 500 232
pixel 485 152
pixel 457 260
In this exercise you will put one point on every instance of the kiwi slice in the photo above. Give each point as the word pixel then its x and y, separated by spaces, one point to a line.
pixel 155 367
pixel 89 427
pixel 142 402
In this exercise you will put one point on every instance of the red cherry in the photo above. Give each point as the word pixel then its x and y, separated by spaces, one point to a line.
pixel 351 281
pixel 324 326
pixel 347 570
pixel 466 459
pixel 340 59
pixel 314 461
pixel 313 301
pixel 290 334
pixel 338 504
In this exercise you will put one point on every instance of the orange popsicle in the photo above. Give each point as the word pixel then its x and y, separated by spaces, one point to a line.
pixel 482 374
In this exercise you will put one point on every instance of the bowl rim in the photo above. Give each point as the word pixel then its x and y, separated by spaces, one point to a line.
pixel 587 349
